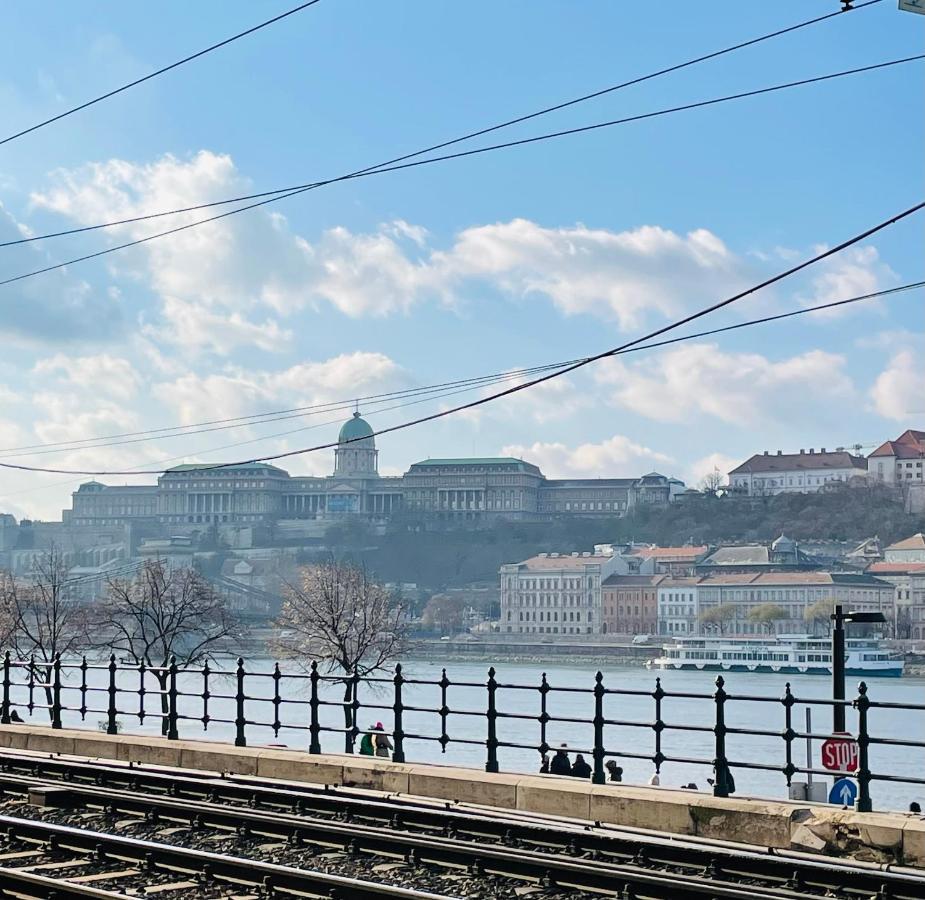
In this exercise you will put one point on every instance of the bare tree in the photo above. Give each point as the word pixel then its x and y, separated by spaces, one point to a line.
pixel 38 618
pixel 712 483
pixel 444 613
pixel 766 614
pixel 718 617
pixel 820 613
pixel 163 615
pixel 337 615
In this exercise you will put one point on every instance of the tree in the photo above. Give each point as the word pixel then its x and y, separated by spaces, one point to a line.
pixel 444 613
pixel 164 614
pixel 718 616
pixel 767 614
pixel 337 615
pixel 712 483
pixel 39 619
pixel 820 613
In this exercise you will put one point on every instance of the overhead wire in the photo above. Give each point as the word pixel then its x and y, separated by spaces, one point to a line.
pixel 457 140
pixel 462 154
pixel 440 390
pixel 158 72
pixel 533 382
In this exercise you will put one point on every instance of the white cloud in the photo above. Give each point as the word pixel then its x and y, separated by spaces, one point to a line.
pixel 617 456
pixel 899 391
pixel 747 389
pixel 103 374
pixel 852 273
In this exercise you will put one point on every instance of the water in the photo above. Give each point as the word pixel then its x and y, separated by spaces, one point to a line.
pixel 570 698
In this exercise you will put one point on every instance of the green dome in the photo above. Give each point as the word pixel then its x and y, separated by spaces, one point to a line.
pixel 355 429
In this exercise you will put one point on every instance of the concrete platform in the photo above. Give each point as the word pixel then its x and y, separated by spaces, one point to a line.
pixel 816 828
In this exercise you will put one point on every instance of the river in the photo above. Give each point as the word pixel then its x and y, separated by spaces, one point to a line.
pixel 467 693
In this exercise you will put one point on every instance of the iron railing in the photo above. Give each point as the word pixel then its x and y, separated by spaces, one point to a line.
pixel 244 700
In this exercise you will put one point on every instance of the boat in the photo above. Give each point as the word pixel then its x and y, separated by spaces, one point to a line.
pixel 784 654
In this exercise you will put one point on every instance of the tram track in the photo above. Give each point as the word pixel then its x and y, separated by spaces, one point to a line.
pixel 499 848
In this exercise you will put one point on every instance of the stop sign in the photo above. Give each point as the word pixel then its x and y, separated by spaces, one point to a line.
pixel 840 754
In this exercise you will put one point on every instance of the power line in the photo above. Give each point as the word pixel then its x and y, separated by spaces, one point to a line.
pixel 440 390
pixel 160 71
pixel 449 143
pixel 465 153
pixel 780 276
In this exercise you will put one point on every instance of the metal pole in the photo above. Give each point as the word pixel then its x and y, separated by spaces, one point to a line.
pixel 838 669
pixel 809 746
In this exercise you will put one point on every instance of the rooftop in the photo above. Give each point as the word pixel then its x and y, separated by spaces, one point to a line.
pixel 790 462
pixel 677 553
pixel 548 562
pixel 916 542
pixel 909 445
pixel 896 568
pixel 633 580
pixel 225 468
pixel 506 461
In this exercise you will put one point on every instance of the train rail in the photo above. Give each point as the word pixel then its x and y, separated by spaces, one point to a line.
pixel 504 849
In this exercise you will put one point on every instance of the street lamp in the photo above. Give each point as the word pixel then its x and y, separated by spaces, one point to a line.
pixel 838 657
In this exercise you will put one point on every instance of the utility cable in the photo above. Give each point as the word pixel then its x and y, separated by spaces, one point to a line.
pixel 465 153
pixel 154 74
pixel 767 282
pixel 449 143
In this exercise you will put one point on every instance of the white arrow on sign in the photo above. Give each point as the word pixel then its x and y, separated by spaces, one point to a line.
pixel 916 6
pixel 847 795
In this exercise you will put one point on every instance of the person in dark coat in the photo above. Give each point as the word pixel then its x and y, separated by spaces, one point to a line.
pixel 544 765
pixel 560 764
pixel 580 769
pixel 614 772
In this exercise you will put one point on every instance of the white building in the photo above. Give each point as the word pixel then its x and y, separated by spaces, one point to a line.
pixel 901 461
pixel 799 473
pixel 556 593
pixel 678 606
pixel 910 550
pixel 908 580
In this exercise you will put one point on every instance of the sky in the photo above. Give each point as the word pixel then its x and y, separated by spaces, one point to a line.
pixel 463 268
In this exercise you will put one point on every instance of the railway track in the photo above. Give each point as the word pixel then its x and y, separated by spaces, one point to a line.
pixel 449 850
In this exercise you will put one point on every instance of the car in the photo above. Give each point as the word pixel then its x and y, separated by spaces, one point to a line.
pixel 642 638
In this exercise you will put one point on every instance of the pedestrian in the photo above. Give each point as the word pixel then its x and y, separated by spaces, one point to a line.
pixel 614 772
pixel 382 742
pixel 544 765
pixel 15 716
pixel 914 807
pixel 561 765
pixel 366 745
pixel 580 769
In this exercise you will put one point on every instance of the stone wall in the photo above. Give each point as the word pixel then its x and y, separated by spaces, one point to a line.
pixel 818 828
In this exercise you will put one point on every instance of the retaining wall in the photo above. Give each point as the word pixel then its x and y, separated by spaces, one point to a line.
pixel 876 837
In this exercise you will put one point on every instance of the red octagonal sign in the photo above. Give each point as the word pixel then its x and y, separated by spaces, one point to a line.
pixel 840 754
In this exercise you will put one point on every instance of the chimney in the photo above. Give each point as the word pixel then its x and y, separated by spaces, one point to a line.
pixel 811 450
pixel 765 452
pixel 575 553
pixel 802 450
pixel 822 449
pixel 779 452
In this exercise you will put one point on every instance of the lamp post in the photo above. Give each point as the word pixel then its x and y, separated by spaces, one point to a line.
pixel 839 618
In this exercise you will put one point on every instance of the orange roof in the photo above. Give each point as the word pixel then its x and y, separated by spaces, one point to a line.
pixel 909 445
pixel 563 561
pixel 895 568
pixel 916 542
pixel 666 552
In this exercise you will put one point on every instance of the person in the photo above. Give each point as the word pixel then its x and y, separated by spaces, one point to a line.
pixel 914 807
pixel 580 768
pixel 730 781
pixel 382 742
pixel 15 717
pixel 560 764
pixel 544 765
pixel 614 772
pixel 366 745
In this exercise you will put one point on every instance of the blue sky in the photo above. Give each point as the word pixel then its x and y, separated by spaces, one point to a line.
pixel 511 259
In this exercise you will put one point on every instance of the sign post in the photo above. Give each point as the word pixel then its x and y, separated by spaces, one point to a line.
pixel 844 792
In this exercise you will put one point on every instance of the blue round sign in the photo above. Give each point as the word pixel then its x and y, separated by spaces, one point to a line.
pixel 844 792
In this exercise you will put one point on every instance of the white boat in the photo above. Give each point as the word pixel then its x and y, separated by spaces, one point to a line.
pixel 785 654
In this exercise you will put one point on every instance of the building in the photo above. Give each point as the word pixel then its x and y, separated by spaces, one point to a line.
pixel 793 592
pixel 555 593
pixel 782 554
pixel 909 550
pixel 806 472
pixel 665 560
pixel 679 605
pixel 900 462
pixel 908 580
pixel 198 497
pixel 629 604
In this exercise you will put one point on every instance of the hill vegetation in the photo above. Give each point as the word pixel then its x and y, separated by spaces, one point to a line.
pixel 407 553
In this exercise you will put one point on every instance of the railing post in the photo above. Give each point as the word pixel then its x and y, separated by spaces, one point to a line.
pixel 354 710
pixel 56 692
pixel 789 734
pixel 277 699
pixel 598 776
pixel 314 728
pixel 112 726
pixel 658 726
pixel 205 695
pixel 83 688
pixel 544 716
pixel 5 708
pixel 398 734
pixel 862 704
pixel 172 700
pixel 239 739
pixel 491 742
pixel 720 764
